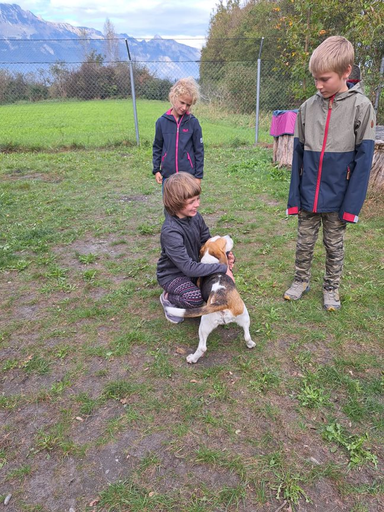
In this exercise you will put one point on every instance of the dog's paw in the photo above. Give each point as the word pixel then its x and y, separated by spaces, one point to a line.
pixel 192 359
pixel 251 344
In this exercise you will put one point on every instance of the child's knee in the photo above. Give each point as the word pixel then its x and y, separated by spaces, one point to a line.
pixel 194 300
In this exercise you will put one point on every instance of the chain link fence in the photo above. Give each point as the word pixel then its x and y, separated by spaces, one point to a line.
pixel 98 72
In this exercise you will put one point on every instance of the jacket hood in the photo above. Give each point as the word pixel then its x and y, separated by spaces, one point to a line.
pixel 168 115
pixel 352 89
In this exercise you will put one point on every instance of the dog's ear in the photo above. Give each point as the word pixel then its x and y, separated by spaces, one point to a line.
pixel 218 249
pixel 229 243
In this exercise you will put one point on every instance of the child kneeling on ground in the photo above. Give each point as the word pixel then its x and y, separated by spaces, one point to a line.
pixel 182 234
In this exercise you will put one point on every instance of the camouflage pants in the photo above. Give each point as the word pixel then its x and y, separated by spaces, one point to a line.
pixel 333 239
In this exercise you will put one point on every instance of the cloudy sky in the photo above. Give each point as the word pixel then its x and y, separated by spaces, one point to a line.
pixel 176 19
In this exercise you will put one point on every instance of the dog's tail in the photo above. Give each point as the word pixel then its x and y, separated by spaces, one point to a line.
pixel 195 312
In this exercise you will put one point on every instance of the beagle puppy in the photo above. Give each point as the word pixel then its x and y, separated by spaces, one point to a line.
pixel 223 302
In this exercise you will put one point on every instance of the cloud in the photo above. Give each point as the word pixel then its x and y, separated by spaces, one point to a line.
pixel 144 18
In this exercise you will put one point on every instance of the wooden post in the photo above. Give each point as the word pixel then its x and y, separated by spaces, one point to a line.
pixel 283 150
pixel 376 181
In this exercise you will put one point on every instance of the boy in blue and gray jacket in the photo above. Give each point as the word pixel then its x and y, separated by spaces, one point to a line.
pixel 333 150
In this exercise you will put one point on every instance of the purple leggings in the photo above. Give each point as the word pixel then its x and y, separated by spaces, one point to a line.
pixel 183 293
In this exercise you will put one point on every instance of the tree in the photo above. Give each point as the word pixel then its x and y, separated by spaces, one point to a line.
pixel 111 42
pixel 367 27
pixel 304 25
pixel 59 73
pixel 292 30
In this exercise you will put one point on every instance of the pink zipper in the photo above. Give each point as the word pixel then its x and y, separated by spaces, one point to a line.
pixel 322 153
pixel 177 142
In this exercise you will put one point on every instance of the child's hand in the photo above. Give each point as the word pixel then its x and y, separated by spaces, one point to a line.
pixel 229 274
pixel 231 260
pixel 159 178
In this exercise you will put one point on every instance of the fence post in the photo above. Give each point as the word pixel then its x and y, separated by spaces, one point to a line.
pixel 133 93
pixel 258 92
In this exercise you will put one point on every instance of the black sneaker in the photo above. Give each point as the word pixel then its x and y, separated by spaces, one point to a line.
pixel 165 303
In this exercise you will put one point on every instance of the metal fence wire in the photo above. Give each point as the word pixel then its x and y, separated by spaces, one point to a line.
pixel 230 84
pixel 95 72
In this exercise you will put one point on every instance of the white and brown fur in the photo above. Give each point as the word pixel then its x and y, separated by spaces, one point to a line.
pixel 223 302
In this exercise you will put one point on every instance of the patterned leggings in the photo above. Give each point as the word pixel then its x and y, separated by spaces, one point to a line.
pixel 183 293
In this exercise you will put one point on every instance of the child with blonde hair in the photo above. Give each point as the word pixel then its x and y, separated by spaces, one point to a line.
pixel 332 157
pixel 178 144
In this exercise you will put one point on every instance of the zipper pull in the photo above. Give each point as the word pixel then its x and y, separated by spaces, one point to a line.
pixel 330 105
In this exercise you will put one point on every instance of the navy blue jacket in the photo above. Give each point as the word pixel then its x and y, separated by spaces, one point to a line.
pixel 332 155
pixel 181 240
pixel 178 146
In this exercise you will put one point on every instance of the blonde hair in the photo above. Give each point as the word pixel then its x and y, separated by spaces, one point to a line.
pixel 178 188
pixel 336 53
pixel 185 87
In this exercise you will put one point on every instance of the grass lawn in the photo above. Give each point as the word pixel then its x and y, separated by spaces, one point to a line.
pixel 110 123
pixel 99 410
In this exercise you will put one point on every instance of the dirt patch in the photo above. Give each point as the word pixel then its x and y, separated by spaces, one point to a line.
pixel 134 199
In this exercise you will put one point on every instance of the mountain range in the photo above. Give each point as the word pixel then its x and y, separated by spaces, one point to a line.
pixel 29 43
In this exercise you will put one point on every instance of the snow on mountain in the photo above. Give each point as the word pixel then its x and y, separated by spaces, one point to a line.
pixel 28 43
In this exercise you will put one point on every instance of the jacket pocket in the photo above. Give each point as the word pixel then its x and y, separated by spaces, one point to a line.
pixel 350 169
pixel 162 160
pixel 190 160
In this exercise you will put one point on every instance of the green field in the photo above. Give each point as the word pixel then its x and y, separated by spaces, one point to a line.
pixel 99 410
pixel 110 123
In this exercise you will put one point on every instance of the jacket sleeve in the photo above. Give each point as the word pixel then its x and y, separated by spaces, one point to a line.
pixel 174 247
pixel 198 147
pixel 157 147
pixel 205 234
pixel 359 178
pixel 294 203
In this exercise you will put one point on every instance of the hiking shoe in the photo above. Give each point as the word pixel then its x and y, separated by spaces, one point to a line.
pixel 166 303
pixel 331 299
pixel 296 290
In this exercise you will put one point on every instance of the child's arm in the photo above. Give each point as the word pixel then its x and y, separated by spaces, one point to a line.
pixel 294 202
pixel 157 149
pixel 359 176
pixel 174 247
pixel 204 231
pixel 199 150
